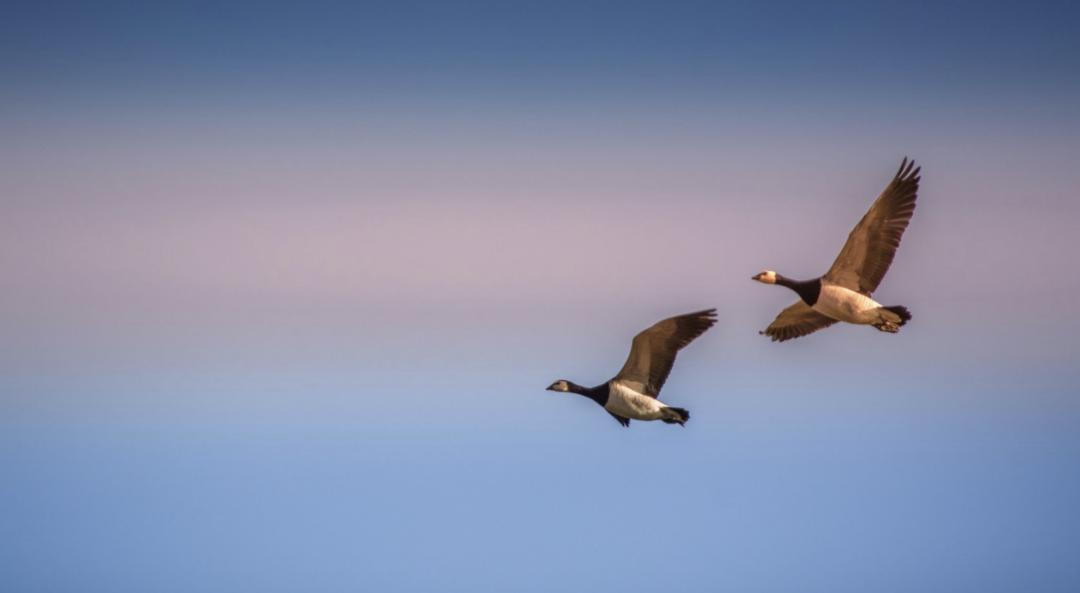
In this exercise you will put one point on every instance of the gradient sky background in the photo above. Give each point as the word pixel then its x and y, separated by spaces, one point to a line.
pixel 282 286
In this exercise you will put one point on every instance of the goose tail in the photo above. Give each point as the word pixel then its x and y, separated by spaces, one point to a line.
pixel 676 415
pixel 891 319
pixel 901 312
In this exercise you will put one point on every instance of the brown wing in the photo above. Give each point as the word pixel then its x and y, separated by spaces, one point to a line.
pixel 796 321
pixel 653 352
pixel 870 247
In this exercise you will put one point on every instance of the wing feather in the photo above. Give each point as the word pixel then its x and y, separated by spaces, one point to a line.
pixel 653 351
pixel 796 321
pixel 871 245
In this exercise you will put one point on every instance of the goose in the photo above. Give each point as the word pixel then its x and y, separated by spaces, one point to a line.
pixel 843 293
pixel 634 392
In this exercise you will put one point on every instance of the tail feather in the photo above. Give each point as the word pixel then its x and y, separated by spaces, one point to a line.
pixel 676 415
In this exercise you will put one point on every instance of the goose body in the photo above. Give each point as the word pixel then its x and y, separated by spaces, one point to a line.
pixel 634 393
pixel 844 304
pixel 844 292
pixel 625 401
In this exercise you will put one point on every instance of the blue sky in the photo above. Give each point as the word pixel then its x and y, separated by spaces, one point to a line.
pixel 283 285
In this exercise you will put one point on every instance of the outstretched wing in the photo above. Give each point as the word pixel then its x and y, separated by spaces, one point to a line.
pixel 870 247
pixel 653 352
pixel 796 321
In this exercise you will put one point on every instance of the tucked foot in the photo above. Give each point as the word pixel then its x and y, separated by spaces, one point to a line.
pixel 887 326
pixel 891 319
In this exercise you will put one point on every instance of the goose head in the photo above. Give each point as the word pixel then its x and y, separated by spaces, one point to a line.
pixel 561 385
pixel 767 277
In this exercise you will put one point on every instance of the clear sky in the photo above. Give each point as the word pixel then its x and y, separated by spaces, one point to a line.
pixel 281 286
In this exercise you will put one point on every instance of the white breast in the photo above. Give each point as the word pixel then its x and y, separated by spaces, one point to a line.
pixel 845 304
pixel 631 404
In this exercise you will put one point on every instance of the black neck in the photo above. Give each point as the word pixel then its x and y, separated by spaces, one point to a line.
pixel 808 290
pixel 598 394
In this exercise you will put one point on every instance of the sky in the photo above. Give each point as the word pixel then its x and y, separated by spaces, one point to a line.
pixel 281 286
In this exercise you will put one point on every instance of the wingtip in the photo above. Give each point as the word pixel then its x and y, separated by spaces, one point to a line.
pixel 707 315
pixel 907 168
pixel 775 337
